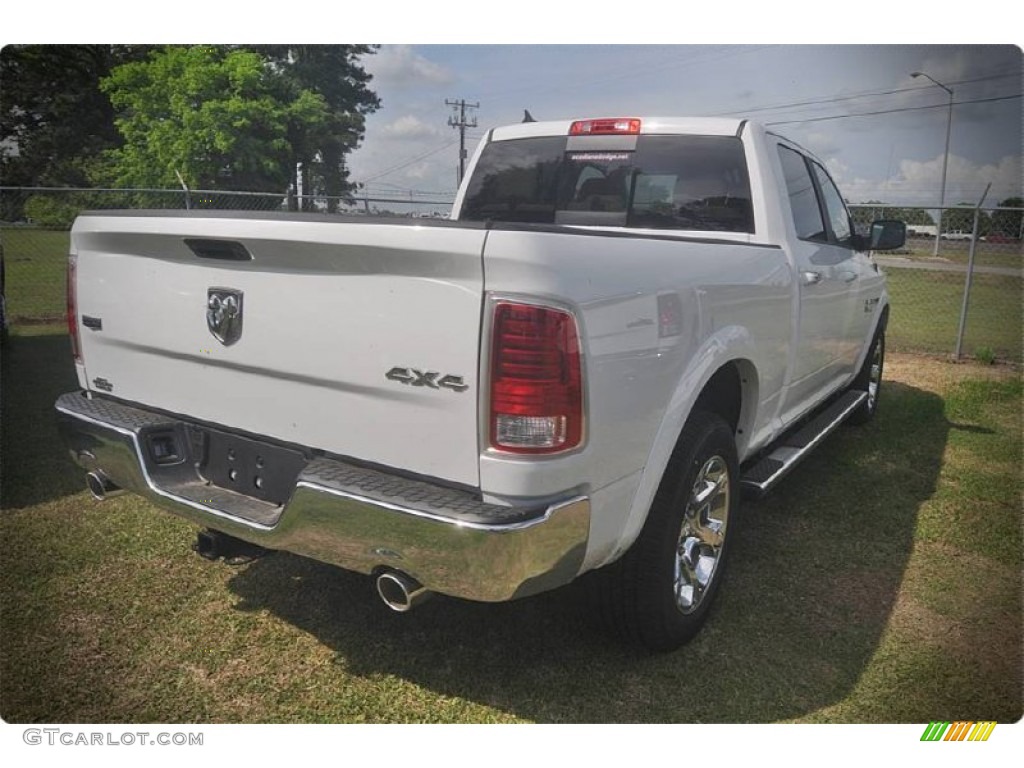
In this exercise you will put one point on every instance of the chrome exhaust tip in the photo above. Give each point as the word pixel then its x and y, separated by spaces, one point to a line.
pixel 101 487
pixel 400 592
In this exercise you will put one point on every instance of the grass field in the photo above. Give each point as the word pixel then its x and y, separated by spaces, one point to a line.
pixel 880 583
pixel 958 252
pixel 35 261
pixel 926 305
pixel 926 310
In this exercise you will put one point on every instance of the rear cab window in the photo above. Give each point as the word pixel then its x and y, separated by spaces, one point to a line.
pixel 647 182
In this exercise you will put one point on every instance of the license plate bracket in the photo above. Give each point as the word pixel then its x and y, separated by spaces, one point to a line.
pixel 250 467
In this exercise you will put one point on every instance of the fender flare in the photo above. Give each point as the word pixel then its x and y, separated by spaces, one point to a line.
pixel 732 344
pixel 879 322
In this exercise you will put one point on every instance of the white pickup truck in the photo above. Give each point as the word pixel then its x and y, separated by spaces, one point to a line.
pixel 626 324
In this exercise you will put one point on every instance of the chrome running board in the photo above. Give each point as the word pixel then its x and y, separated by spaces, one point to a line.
pixel 761 477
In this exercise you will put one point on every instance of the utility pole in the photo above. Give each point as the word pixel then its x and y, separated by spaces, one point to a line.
pixel 458 120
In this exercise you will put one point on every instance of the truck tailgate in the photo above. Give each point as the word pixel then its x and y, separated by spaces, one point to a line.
pixel 357 338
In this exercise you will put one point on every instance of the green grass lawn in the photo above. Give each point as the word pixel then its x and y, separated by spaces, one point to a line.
pixel 879 583
pixel 958 251
pixel 36 261
pixel 926 313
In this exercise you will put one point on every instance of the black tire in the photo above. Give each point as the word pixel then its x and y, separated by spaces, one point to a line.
pixel 651 595
pixel 3 300
pixel 869 380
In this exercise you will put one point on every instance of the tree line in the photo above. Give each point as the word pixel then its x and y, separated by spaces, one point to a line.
pixel 1003 220
pixel 211 117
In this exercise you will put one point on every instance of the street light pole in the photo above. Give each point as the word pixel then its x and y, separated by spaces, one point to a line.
pixel 945 157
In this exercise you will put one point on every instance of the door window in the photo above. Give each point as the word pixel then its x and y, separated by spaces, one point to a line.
pixel 803 200
pixel 838 216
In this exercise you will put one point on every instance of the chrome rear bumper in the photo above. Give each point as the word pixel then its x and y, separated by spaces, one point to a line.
pixel 355 517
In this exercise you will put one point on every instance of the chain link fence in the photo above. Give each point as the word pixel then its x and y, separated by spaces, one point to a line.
pixel 35 224
pixel 961 290
pixel 957 292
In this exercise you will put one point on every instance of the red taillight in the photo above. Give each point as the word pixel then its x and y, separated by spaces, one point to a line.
pixel 536 380
pixel 605 126
pixel 76 347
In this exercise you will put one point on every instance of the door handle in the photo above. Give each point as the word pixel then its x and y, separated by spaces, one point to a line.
pixel 810 278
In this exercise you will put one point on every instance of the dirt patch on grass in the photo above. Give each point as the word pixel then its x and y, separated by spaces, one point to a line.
pixel 939 374
pixel 967 604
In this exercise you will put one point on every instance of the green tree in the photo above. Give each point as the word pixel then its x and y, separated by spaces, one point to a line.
pixel 863 214
pixel 334 73
pixel 53 119
pixel 1008 222
pixel 918 216
pixel 55 123
pixel 962 220
pixel 221 118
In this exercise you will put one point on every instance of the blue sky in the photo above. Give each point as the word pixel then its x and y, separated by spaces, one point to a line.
pixel 895 156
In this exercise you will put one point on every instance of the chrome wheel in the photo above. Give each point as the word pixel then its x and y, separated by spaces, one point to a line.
pixel 875 375
pixel 869 380
pixel 662 590
pixel 702 535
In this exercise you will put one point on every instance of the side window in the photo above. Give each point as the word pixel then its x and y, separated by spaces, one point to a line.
pixel 838 216
pixel 803 200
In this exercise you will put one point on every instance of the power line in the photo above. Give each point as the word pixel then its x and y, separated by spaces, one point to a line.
pixel 892 111
pixel 410 161
pixel 860 95
pixel 809 102
pixel 409 190
pixel 416 158
pixel 816 101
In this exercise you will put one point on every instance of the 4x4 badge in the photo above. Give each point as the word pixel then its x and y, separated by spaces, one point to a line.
pixel 430 379
pixel 224 314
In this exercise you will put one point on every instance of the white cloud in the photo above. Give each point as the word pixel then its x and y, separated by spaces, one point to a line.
pixel 420 171
pixel 401 66
pixel 952 64
pixel 410 127
pixel 823 144
pixel 837 169
pixel 966 180
pixel 918 182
